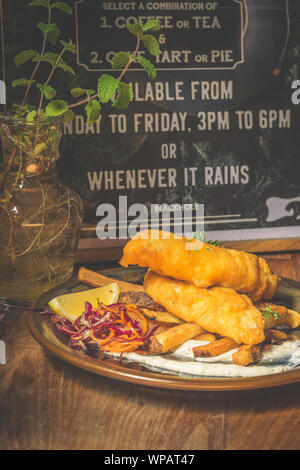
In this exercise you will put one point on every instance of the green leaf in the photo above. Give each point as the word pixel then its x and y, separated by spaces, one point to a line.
pixel 39 148
pixel 93 109
pixel 78 92
pixel 68 115
pixel 49 57
pixel 151 44
pixel 69 46
pixel 120 60
pixel 22 82
pixel 47 90
pixel 46 28
pixel 152 25
pixel 53 35
pixel 24 56
pixel 124 96
pixel 65 67
pixel 107 86
pixel 148 66
pixel 63 7
pixel 39 3
pixel 53 59
pixel 136 29
pixel 31 116
pixel 56 108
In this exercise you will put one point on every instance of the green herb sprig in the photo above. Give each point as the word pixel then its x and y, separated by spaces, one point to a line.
pixel 268 312
pixel 109 88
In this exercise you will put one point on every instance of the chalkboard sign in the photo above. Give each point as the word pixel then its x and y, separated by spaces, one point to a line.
pixel 218 126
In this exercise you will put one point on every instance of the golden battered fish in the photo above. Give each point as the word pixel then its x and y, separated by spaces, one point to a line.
pixel 203 264
pixel 218 310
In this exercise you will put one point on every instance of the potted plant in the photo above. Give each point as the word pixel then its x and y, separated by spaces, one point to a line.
pixel 40 218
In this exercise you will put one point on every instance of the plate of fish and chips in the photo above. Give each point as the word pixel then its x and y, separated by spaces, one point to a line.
pixel 197 316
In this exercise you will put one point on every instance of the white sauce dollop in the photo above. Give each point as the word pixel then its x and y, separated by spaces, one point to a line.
pixel 278 358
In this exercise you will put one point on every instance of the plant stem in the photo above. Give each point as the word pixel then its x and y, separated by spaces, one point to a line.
pixel 46 83
pixel 50 76
pixel 55 65
pixel 14 151
pixel 131 60
pixel 8 168
pixel 38 63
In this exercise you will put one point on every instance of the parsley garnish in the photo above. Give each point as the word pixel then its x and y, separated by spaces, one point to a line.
pixel 267 312
pixel 214 242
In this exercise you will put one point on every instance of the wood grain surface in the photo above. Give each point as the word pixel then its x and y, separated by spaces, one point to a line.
pixel 47 404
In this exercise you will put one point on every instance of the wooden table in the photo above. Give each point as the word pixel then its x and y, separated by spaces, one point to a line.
pixel 47 404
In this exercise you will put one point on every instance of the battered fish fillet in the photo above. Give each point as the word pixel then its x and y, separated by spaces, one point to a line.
pixel 203 265
pixel 218 310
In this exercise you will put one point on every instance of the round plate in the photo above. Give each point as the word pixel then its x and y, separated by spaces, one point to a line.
pixel 44 332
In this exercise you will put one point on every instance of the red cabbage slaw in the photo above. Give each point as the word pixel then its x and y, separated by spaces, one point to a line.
pixel 112 328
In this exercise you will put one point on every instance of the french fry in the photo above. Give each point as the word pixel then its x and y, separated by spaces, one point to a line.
pixel 215 348
pixel 209 337
pixel 286 316
pixel 273 314
pixel 247 354
pixel 164 316
pixel 293 336
pixel 93 279
pixel 292 318
pixel 273 336
pixel 174 337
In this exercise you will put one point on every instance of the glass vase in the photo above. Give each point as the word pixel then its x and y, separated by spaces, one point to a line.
pixel 40 218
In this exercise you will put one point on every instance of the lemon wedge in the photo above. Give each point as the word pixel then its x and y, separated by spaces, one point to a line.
pixel 70 306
